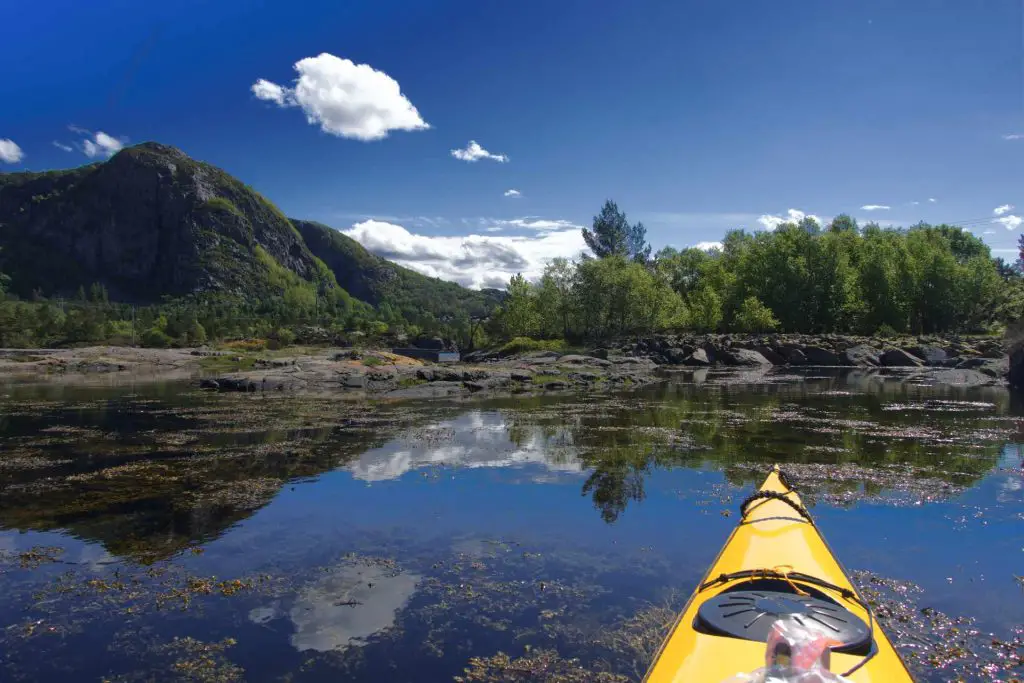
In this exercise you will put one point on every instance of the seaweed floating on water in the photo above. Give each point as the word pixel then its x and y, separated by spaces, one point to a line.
pixel 33 558
pixel 186 659
pixel 936 646
pixel 542 666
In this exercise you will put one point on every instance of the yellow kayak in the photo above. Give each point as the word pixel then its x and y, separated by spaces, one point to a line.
pixel 775 563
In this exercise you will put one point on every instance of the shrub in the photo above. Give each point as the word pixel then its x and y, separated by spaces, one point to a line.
pixel 754 316
pixel 155 338
pixel 886 331
pixel 280 338
pixel 246 344
pixel 526 344
pixel 196 333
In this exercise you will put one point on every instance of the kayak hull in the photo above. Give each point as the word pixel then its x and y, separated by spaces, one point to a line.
pixel 773 536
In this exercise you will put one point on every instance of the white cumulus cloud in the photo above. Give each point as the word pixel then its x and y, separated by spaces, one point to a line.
pixel 1014 136
pixel 61 145
pixel 344 98
pixel 770 221
pixel 932 200
pixel 875 207
pixel 10 152
pixel 1001 210
pixel 101 144
pixel 708 246
pixel 474 152
pixel 1010 222
pixel 513 193
pixel 471 260
pixel 272 92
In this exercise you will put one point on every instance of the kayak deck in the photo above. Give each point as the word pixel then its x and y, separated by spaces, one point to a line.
pixel 773 540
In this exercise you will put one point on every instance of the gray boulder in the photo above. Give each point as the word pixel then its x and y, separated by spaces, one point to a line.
pixel 996 368
pixel 675 356
pixel 931 355
pixel 818 356
pixel 769 353
pixel 737 356
pixel 795 357
pixel 698 358
pixel 861 355
pixel 991 349
pixel 900 358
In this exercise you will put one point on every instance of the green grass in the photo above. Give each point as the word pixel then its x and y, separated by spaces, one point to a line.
pixel 407 382
pixel 544 379
pixel 222 204
pixel 227 363
pixel 526 344
pixel 372 362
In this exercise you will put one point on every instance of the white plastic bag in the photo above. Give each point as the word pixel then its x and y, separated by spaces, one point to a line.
pixel 796 653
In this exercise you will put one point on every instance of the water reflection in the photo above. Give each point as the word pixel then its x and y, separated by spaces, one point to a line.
pixel 344 608
pixel 475 439
pixel 150 476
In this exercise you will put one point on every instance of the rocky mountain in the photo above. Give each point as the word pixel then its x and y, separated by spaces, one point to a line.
pixel 152 222
pixel 149 222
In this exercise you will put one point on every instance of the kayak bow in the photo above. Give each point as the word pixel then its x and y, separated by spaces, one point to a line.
pixel 775 563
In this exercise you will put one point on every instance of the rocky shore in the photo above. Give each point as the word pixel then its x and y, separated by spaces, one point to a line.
pixel 980 361
pixel 630 363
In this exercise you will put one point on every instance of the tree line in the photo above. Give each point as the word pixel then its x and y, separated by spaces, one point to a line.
pixel 290 310
pixel 91 318
pixel 801 277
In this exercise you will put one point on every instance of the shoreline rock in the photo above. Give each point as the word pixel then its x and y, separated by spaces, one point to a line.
pixel 627 364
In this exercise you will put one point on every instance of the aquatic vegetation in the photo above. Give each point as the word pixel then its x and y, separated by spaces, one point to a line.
pixel 329 583
pixel 187 659
pixel 33 557
pixel 542 666
pixel 935 645
pixel 205 662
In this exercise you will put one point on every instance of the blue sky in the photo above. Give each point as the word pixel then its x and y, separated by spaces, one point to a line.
pixel 695 116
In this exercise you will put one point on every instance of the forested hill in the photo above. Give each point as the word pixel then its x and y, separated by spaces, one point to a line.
pixel 152 223
pixel 380 282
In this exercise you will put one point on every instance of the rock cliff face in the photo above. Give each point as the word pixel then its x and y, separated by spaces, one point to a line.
pixel 148 222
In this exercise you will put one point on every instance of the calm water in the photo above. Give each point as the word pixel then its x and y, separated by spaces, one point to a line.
pixel 156 533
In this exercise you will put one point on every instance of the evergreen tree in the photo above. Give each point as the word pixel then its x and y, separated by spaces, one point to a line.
pixel 612 235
